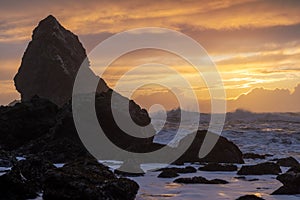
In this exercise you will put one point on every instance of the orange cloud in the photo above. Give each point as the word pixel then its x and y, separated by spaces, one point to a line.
pixel 254 43
pixel 263 100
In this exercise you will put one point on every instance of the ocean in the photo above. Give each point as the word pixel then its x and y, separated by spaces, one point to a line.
pixel 277 134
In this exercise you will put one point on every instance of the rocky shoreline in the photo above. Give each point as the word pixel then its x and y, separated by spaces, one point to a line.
pixel 86 178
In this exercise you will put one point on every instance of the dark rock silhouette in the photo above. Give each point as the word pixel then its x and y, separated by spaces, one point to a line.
pixel 26 121
pixel 168 174
pixel 86 179
pixel 24 181
pixel 199 180
pixel 218 167
pixel 223 152
pixel 50 64
pixel 255 156
pixel 290 181
pixel 287 162
pixel 249 197
pixel 185 170
pixel 260 169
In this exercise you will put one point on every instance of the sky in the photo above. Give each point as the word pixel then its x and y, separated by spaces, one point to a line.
pixel 254 44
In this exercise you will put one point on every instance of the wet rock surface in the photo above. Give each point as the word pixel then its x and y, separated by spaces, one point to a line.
pixel 87 179
pixel 218 167
pixel 25 179
pixel 168 174
pixel 224 151
pixel 249 197
pixel 290 181
pixel 199 180
pixel 255 156
pixel 287 162
pixel 184 170
pixel 260 169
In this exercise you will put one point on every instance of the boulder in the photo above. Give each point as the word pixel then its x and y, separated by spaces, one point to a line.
pixel 218 167
pixel 224 151
pixel 290 181
pixel 168 174
pixel 249 197
pixel 244 178
pixel 260 169
pixel 287 162
pixel 135 168
pixel 255 156
pixel 199 180
pixel 185 170
pixel 87 179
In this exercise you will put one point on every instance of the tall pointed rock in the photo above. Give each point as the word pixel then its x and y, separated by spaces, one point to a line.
pixel 50 63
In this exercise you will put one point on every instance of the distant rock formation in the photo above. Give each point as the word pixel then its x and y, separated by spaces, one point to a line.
pixel 50 64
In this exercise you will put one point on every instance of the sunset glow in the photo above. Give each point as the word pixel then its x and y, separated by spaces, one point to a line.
pixel 254 44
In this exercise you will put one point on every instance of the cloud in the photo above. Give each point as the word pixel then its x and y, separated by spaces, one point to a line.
pixel 257 100
pixel 114 16
pixel 264 100
pixel 244 39
pixel 252 41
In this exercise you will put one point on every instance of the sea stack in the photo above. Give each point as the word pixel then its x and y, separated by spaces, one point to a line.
pixel 50 63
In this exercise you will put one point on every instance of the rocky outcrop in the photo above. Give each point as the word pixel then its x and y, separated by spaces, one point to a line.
pixel 26 121
pixel 287 162
pixel 224 151
pixel 290 181
pixel 260 169
pixel 24 181
pixel 255 156
pixel 33 170
pixel 48 70
pixel 83 178
pixel 199 180
pixel 168 174
pixel 218 167
pixel 62 143
pixel 249 197
pixel 185 170
pixel 50 64
pixel 87 179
